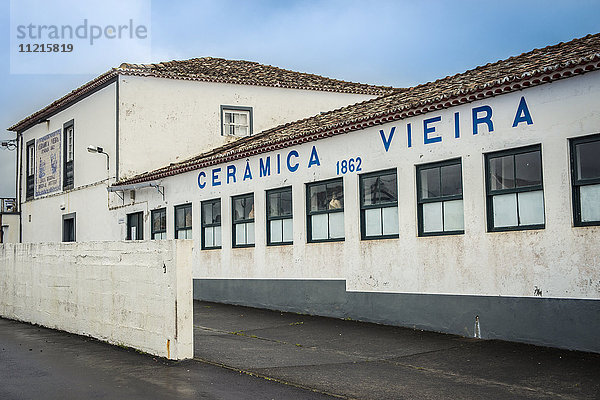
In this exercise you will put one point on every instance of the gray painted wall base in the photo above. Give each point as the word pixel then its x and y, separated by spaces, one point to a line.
pixel 566 323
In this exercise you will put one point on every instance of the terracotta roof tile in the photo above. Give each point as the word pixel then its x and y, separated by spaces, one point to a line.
pixel 529 69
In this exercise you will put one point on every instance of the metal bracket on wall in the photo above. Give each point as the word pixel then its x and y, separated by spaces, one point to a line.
pixel 123 188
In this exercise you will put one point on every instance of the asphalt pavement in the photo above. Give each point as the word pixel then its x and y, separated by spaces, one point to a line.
pixel 368 361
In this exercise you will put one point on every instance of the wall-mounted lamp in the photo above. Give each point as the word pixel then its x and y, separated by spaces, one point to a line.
pixel 100 150
pixel 8 144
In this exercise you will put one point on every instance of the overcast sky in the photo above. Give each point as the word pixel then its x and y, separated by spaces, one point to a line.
pixel 397 43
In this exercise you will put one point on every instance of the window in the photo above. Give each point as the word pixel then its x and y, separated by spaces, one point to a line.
pixel 379 205
pixel 159 224
pixel 236 121
pixel 135 226
pixel 439 198
pixel 585 173
pixel 30 169
pixel 211 224
pixel 183 221
pixel 68 132
pixel 243 220
pixel 515 196
pixel 68 228
pixel 279 216
pixel 325 206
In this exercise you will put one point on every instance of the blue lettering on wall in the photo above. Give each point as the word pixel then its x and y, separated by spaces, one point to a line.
pixel 247 172
pixel 201 184
pixel 430 129
pixel 230 173
pixel 523 114
pixel 314 158
pixel 278 164
pixel 456 125
pixel 387 141
pixel 292 168
pixel 409 135
pixel 215 176
pixel 487 119
pixel 265 167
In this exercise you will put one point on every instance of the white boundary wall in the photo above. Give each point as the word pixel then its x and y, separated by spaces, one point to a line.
pixel 136 294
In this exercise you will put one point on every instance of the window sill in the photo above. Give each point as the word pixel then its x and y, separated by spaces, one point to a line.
pixel 517 228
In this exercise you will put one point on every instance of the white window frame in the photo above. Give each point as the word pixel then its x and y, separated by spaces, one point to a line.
pixel 226 128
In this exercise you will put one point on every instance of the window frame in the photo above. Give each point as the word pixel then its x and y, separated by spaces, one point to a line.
pixel 490 194
pixel 420 201
pixel 67 185
pixel 234 222
pixel 141 225
pixel 577 183
pixel 213 225
pixel 224 108
pixel 74 218
pixel 279 217
pixel 363 207
pixel 310 213
pixel 30 194
pixel 152 231
pixel 177 229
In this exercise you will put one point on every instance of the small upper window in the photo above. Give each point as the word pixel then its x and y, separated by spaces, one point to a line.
pixel 236 121
pixel 159 224
pixel 515 195
pixel 183 221
pixel 439 198
pixel 30 169
pixel 68 233
pixel 211 224
pixel 279 216
pixel 379 205
pixel 243 220
pixel 325 210
pixel 585 172
pixel 68 168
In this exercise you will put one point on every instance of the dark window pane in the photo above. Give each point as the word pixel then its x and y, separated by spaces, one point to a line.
pixel 588 160
pixel 335 196
pixel 249 207
pixel 369 187
pixel 188 216
pixel 238 209
pixel 388 188
pixel 318 198
pixel 179 217
pixel 207 213
pixel 451 180
pixel 286 202
pixel 502 173
pixel 529 169
pixel 216 212
pixel 163 220
pixel 274 204
pixel 430 183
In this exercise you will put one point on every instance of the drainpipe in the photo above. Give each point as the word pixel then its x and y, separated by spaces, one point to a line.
pixel 19 158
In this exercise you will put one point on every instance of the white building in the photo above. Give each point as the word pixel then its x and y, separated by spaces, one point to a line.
pixel 468 205
pixel 9 221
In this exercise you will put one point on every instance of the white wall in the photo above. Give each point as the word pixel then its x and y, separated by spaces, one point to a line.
pixel 95 123
pixel 164 121
pixel 560 260
pixel 137 294
pixel 11 232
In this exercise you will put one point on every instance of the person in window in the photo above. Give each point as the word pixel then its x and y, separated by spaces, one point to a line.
pixel 251 214
pixel 335 203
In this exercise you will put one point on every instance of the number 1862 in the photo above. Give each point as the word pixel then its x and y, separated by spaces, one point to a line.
pixel 350 165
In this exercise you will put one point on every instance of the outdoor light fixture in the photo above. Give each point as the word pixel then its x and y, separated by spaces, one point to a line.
pixel 100 150
pixel 8 144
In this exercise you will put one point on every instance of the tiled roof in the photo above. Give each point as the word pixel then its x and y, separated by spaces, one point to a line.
pixel 528 69
pixel 248 73
pixel 209 69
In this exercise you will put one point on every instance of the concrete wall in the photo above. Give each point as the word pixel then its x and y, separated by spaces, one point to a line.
pixel 136 294
pixel 166 120
pixel 558 262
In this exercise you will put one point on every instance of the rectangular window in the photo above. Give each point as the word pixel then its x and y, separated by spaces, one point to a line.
pixel 515 195
pixel 183 221
pixel 69 155
pixel 30 168
pixel 236 121
pixel 211 224
pixel 585 175
pixel 439 198
pixel 68 228
pixel 159 224
pixel 325 210
pixel 243 220
pixel 279 216
pixel 379 205
pixel 135 226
